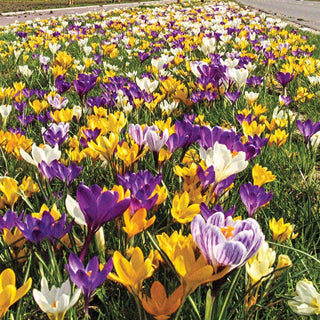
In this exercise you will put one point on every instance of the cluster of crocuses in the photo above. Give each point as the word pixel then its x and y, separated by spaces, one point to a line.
pixel 139 130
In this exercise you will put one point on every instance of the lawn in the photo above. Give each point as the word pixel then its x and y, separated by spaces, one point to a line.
pixel 19 5
pixel 159 162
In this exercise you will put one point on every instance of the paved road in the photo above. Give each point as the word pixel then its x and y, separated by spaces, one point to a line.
pixel 303 13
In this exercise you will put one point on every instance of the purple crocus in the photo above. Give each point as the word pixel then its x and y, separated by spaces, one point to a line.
pixel 88 278
pixel 98 207
pixel 9 220
pixel 84 83
pixel 62 85
pixel 254 197
pixel 142 186
pixel 284 78
pixel 308 129
pixel 35 230
pixel 58 170
pixel 56 133
pixel 206 212
pixel 226 242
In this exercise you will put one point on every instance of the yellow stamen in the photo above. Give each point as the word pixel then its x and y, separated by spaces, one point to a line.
pixel 54 304
pixel 227 231
pixel 89 273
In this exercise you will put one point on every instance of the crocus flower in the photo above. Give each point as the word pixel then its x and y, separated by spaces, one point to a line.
pixel 192 267
pixel 88 278
pixel 307 300
pixel 98 206
pixel 62 85
pixel 308 128
pixel 9 220
pixel 181 210
pixel 60 171
pixel 142 186
pixel 132 274
pixel 261 175
pixel 44 153
pixel 284 78
pixel 136 223
pixel 35 230
pixel 223 161
pixel 159 305
pixel 57 301
pixel 261 264
pixel 57 102
pixel 84 83
pixel 56 133
pixel 281 231
pixel 226 242
pixel 254 197
pixel 9 294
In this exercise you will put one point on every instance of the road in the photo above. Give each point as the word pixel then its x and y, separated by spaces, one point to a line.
pixel 303 13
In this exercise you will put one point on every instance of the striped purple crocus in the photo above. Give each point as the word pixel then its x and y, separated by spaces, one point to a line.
pixel 225 241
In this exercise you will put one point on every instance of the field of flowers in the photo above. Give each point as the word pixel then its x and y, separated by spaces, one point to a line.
pixel 159 162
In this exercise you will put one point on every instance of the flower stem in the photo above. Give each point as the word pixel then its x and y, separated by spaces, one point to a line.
pixel 86 245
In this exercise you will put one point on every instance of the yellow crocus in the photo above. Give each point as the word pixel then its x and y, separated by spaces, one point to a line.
pixel 253 128
pixel 9 188
pixel 15 241
pixel 181 211
pixel 189 263
pixel 279 138
pixel 158 304
pixel 261 175
pixel 137 222
pixel 38 106
pixel 281 231
pixel 62 115
pixel 132 273
pixel 9 294
pixel 128 154
pixel 63 59
pixel 58 71
pixel 105 146
pixel 28 186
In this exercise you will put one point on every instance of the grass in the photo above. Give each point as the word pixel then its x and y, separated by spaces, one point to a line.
pixel 133 31
pixel 19 5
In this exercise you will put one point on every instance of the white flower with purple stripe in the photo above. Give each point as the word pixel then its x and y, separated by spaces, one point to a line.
pixel 226 242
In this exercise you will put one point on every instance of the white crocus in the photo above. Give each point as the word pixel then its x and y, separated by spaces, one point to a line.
pixel 54 47
pixel 38 154
pixel 307 301
pixel 5 110
pixel 224 162
pixel 261 264
pixel 208 45
pixel 25 71
pixel 239 76
pixel 57 301
pixel 154 141
pixel 251 97
pixel 167 107
pixel 146 84
pixel 57 102
pixel 74 210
